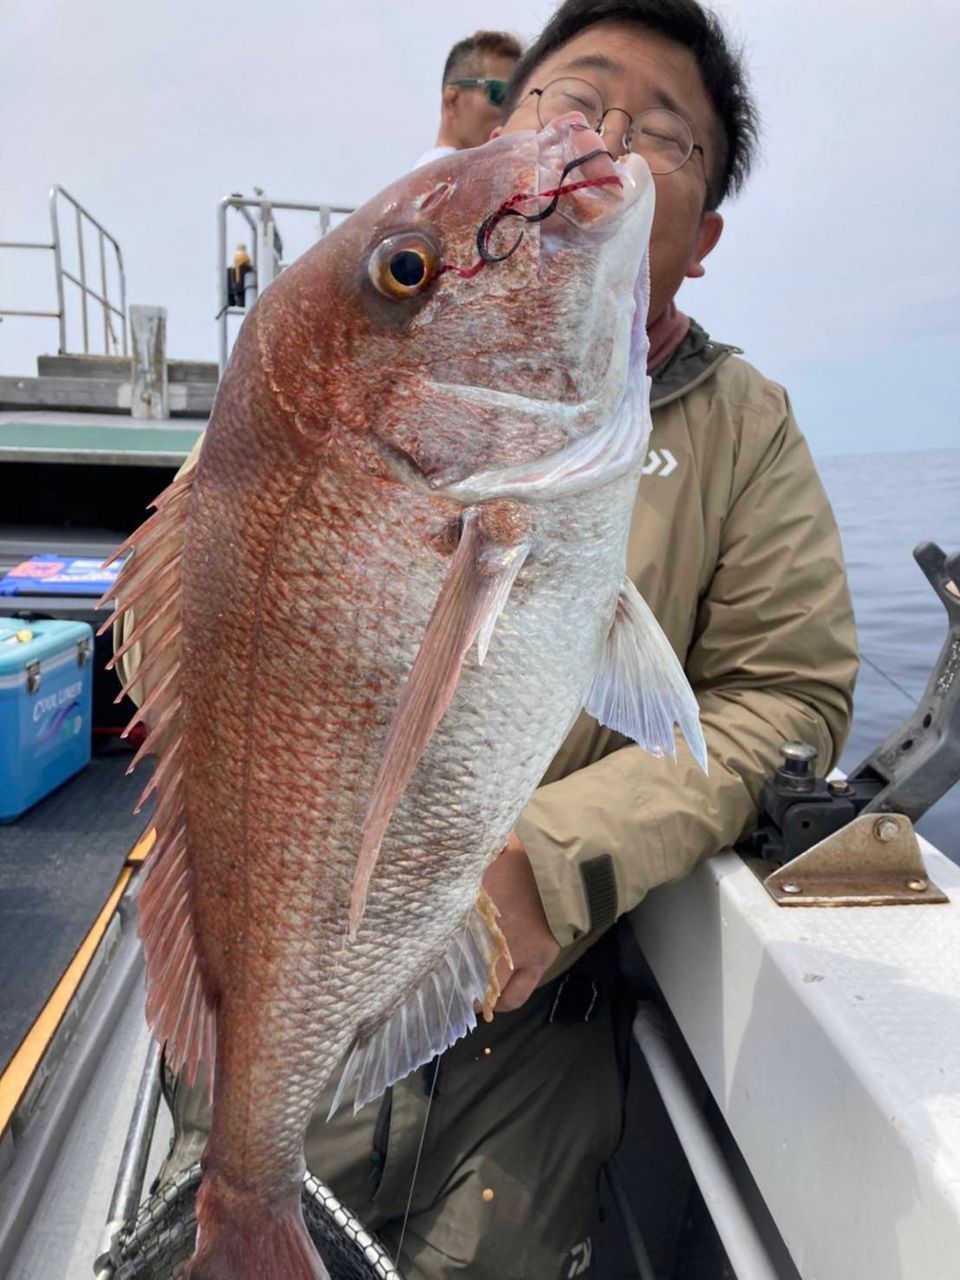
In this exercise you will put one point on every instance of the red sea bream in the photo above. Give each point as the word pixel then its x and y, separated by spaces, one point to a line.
pixel 371 613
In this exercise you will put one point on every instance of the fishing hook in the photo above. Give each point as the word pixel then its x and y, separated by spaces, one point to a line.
pixel 506 210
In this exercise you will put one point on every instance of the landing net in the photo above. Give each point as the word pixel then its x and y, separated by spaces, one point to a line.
pixel 160 1242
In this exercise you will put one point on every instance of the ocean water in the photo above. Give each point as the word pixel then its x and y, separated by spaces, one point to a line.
pixel 885 505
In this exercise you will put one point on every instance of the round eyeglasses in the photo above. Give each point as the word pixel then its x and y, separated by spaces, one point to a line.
pixel 662 137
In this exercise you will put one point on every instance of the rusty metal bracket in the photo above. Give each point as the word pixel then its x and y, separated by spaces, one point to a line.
pixel 874 861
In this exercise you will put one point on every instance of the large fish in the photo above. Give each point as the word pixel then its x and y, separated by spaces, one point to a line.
pixel 376 607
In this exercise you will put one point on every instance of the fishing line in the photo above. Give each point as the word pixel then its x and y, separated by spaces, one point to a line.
pixel 890 680
pixel 433 1087
pixel 509 210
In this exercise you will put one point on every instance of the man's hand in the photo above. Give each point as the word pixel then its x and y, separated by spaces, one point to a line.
pixel 510 883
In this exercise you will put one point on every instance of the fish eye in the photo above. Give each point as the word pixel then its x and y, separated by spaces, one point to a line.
pixel 403 266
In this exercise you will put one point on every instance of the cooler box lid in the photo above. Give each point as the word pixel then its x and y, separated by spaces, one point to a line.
pixel 43 642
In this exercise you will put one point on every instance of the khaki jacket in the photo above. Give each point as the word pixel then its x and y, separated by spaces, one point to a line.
pixel 735 548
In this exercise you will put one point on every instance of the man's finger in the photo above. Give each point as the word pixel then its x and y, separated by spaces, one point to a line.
pixel 518 990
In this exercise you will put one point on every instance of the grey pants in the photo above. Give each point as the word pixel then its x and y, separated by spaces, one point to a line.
pixel 525 1112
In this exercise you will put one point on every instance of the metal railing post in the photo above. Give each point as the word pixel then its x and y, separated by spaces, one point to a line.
pixel 123 295
pixel 103 290
pixel 222 281
pixel 83 283
pixel 58 270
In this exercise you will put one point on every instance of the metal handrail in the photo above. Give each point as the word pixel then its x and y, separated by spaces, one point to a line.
pixel 109 337
pixel 128 1187
pixel 27 244
pixel 259 226
pixel 108 308
pixel 738 1233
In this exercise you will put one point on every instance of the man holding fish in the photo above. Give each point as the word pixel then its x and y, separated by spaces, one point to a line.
pixel 438 545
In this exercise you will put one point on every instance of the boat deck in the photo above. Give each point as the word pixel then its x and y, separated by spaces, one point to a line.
pixel 46 436
pixel 61 864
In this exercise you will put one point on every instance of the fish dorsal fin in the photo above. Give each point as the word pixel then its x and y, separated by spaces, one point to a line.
pixel 181 1009
pixel 640 688
pixel 438 1013
pixel 472 597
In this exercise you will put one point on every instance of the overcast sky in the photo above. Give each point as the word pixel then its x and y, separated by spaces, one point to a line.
pixel 837 272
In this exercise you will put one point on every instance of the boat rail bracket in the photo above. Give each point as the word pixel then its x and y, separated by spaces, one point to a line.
pixel 850 841
pixel 874 861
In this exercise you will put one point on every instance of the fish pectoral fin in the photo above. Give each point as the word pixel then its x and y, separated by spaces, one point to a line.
pixel 433 1016
pixel 471 599
pixel 503 565
pixel 640 688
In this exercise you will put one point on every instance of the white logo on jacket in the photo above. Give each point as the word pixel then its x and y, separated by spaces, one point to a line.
pixel 660 462
pixel 582 1255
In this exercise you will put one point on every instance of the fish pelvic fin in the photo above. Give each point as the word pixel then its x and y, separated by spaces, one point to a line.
pixel 435 1015
pixel 640 688
pixel 241 1236
pixel 471 600
pixel 181 1009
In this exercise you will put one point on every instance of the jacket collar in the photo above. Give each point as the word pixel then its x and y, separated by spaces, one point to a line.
pixel 694 360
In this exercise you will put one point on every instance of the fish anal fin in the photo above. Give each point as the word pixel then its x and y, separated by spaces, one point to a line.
pixel 640 688
pixel 471 598
pixel 439 1012
pixel 181 1008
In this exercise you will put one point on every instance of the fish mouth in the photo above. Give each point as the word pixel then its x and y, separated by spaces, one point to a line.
pixel 618 183
pixel 575 177
pixel 568 146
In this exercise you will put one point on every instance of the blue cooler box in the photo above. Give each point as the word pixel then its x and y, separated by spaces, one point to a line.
pixel 46 686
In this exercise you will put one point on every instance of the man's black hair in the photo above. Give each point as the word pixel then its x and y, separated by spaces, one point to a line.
pixel 687 24
pixel 464 59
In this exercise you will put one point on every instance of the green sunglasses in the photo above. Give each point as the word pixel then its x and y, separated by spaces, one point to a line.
pixel 495 90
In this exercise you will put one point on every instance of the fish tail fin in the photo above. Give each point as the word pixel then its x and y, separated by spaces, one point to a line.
pixel 242 1236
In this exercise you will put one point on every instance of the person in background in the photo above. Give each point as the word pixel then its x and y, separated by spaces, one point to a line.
pixel 475 79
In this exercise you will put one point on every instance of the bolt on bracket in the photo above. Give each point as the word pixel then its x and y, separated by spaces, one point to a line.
pixel 874 861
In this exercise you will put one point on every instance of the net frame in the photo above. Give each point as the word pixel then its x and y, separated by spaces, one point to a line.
pixel 159 1243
